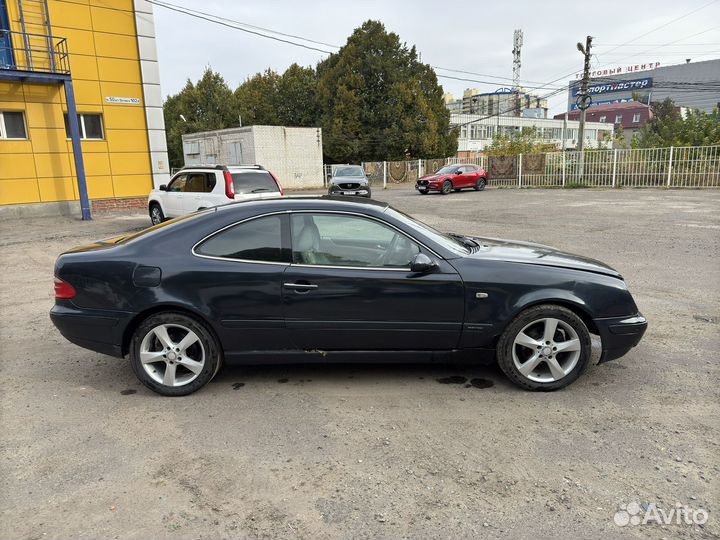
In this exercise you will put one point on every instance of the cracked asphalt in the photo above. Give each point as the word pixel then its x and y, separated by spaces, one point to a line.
pixel 362 451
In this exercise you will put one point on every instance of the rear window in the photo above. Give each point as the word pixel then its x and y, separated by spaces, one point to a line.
pixel 254 182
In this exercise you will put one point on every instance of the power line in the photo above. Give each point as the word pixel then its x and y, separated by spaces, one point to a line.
pixel 664 25
pixel 260 28
pixel 218 20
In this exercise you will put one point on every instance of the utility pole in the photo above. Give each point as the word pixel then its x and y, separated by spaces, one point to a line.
pixel 584 100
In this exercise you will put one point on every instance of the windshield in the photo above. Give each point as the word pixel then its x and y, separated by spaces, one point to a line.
pixel 448 242
pixel 349 171
pixel 447 170
pixel 254 182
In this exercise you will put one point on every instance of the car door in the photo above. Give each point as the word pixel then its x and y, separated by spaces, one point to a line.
pixel 173 199
pixel 349 287
pixel 195 191
pixel 240 280
pixel 465 177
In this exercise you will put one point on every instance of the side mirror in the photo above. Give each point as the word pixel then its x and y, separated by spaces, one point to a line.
pixel 422 264
pixel 163 187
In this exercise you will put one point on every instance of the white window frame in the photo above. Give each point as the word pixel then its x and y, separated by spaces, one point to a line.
pixel 3 134
pixel 618 118
pixel 602 119
pixel 81 126
pixel 636 118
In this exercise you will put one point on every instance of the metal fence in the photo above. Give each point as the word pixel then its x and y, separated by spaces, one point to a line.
pixel 675 167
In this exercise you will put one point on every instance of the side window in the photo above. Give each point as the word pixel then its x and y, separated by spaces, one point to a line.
pixel 196 183
pixel 210 182
pixel 178 184
pixel 256 240
pixel 342 240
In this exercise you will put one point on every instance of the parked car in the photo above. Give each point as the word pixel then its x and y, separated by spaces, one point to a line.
pixel 198 187
pixel 455 177
pixel 349 180
pixel 325 279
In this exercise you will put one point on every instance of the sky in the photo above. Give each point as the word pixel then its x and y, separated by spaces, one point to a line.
pixel 475 36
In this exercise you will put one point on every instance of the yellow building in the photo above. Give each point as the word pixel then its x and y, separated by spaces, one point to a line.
pixel 103 53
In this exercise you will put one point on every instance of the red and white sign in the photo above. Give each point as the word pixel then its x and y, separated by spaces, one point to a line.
pixel 620 70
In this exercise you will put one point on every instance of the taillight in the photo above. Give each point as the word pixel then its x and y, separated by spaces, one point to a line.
pixel 63 289
pixel 229 189
pixel 277 182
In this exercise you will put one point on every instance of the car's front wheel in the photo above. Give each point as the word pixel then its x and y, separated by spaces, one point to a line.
pixel 546 347
pixel 446 187
pixel 423 191
pixel 174 354
pixel 156 214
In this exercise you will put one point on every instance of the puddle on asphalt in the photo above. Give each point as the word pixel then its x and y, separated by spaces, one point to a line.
pixel 455 379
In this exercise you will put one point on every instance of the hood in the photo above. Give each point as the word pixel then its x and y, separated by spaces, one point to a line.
pixel 538 254
pixel 432 177
pixel 348 179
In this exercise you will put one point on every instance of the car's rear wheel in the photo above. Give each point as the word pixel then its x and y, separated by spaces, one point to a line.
pixel 156 214
pixel 480 184
pixel 546 347
pixel 446 187
pixel 174 354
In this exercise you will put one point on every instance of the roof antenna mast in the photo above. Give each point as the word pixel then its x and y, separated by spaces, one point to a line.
pixel 517 46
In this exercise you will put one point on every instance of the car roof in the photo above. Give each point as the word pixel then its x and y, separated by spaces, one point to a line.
pixel 315 202
pixel 223 167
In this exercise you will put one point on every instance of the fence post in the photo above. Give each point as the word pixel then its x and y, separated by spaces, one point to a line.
pixel 520 171
pixel 384 174
pixel 420 168
pixel 670 165
pixel 614 166
pixel 564 167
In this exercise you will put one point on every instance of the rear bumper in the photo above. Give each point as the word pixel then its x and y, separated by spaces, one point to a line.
pixel 98 330
pixel 620 334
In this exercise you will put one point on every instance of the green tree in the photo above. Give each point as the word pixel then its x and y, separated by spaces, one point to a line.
pixel 296 97
pixel 279 100
pixel 668 127
pixel 518 142
pixel 207 105
pixel 378 102
pixel 256 99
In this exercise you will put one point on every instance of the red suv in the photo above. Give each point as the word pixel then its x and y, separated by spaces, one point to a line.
pixel 454 177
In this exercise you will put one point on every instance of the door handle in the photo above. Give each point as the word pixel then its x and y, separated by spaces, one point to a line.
pixel 300 286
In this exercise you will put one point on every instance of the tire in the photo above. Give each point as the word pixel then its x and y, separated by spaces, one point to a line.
pixel 530 358
pixel 423 191
pixel 156 214
pixel 193 366
pixel 446 187
pixel 480 184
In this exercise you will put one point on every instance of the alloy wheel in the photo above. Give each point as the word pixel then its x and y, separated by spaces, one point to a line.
pixel 172 355
pixel 546 350
pixel 156 215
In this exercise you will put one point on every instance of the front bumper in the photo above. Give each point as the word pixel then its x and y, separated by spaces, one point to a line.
pixel 620 334
pixel 98 330
pixel 428 187
pixel 362 191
